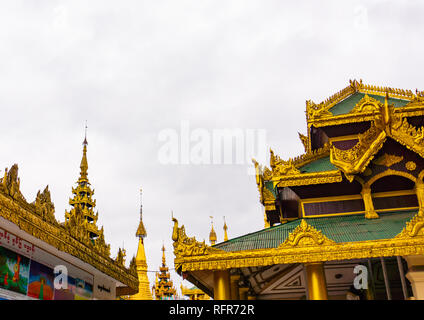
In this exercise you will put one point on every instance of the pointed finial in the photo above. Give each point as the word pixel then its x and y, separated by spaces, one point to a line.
pixel 141 230
pixel 225 230
pixel 163 254
pixel 212 234
pixel 84 162
pixel 85 137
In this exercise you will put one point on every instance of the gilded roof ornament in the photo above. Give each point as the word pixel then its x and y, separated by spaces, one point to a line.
pixel 305 141
pixel 388 160
pixel 367 104
pixel 212 234
pixel 11 183
pixel 320 115
pixel 120 258
pixel 280 167
pixel 305 235
pixel 185 246
pixel 356 159
pixel 133 266
pixel 410 165
pixel 314 111
pixel 44 206
pixel 413 228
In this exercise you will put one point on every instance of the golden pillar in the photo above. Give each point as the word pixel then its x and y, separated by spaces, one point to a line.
pixel 369 206
pixel 221 282
pixel 317 286
pixel 234 279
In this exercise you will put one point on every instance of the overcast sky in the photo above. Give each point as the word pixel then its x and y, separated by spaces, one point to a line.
pixel 135 69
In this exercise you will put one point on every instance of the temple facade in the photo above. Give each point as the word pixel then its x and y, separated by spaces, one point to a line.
pixel 36 249
pixel 344 220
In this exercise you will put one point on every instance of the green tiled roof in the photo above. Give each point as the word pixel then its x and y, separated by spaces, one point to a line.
pixel 319 165
pixel 348 228
pixel 349 103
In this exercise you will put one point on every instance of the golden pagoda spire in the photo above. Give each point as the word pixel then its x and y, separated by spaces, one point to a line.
pixel 212 234
pixel 141 263
pixel 81 220
pixel 225 230
pixel 163 288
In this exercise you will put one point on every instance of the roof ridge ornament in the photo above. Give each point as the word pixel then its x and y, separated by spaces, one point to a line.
pixel 305 235
pixel 187 247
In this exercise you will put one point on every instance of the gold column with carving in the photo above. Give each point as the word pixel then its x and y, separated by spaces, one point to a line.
pixel 369 206
pixel 221 282
pixel 317 286
pixel 234 279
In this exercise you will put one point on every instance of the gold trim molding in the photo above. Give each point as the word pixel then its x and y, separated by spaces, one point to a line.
pixel 409 242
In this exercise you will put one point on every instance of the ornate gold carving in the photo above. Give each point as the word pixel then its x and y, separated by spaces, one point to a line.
pixel 44 207
pixel 305 235
pixel 388 160
pixel 305 141
pixel 413 228
pixel 280 167
pixel 11 183
pixel 356 159
pixel 319 116
pixel 308 254
pixel 186 247
pixel 310 156
pixel 310 178
pixel 410 165
pixel 26 218
pixel 393 92
pixel 410 241
pixel 81 220
pixel 314 111
pixel 120 258
pixel 409 136
pixel 133 267
pixel 367 104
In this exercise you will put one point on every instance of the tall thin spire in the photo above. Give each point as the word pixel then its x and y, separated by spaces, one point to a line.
pixel 164 289
pixel 212 234
pixel 225 230
pixel 82 213
pixel 84 162
pixel 141 230
pixel 163 255
pixel 141 262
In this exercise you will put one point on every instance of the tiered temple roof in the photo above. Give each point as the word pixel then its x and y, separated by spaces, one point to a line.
pixel 356 193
